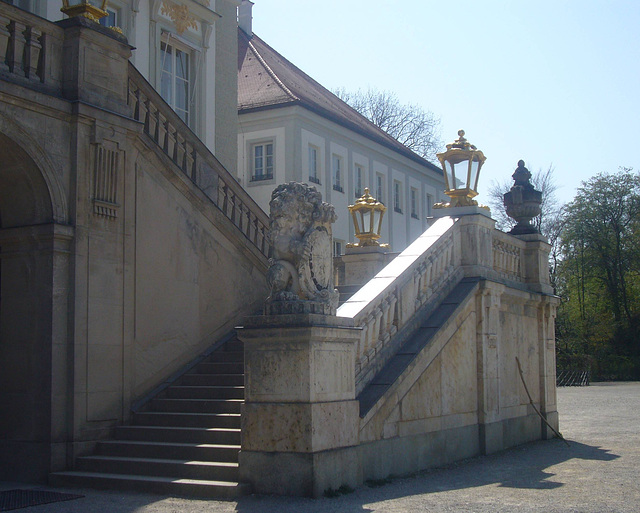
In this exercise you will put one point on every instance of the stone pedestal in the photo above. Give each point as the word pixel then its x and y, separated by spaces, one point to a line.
pixel 300 418
pixel 363 263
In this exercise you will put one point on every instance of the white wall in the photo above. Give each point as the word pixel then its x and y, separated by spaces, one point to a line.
pixel 302 128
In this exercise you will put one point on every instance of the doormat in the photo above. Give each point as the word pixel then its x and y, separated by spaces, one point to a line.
pixel 18 499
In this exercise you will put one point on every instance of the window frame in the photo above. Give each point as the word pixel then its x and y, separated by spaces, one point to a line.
pixel 397 196
pixel 178 45
pixel 414 203
pixel 358 172
pixel 313 170
pixel 429 204
pixel 336 171
pixel 264 145
pixel 380 187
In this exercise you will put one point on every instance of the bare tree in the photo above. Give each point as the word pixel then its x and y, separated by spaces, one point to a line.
pixel 411 125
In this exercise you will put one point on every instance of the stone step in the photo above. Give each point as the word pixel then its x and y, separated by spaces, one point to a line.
pixel 179 434
pixel 189 469
pixel 154 484
pixel 226 357
pixel 168 450
pixel 205 420
pixel 197 405
pixel 232 380
pixel 219 368
pixel 204 392
pixel 234 345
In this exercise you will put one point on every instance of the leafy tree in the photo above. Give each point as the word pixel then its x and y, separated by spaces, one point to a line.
pixel 411 125
pixel 600 269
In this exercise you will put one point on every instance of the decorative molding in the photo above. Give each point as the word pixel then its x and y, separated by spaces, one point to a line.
pixel 180 15
pixel 105 185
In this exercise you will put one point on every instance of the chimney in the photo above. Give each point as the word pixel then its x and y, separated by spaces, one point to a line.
pixel 245 17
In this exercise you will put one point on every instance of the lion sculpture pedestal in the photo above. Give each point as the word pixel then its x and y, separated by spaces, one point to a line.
pixel 300 418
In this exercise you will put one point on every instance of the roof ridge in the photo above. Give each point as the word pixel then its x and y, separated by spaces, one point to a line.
pixel 271 72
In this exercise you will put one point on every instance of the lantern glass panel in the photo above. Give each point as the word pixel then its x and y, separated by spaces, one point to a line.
pixel 366 221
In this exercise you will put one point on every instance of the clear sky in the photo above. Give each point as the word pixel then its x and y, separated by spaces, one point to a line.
pixel 550 82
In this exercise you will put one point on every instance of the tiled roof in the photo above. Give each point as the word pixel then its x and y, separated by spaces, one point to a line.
pixel 267 80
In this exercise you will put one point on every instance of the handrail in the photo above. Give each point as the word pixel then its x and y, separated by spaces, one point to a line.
pixel 176 140
pixel 384 305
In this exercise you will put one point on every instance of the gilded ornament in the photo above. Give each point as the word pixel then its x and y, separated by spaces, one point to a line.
pixel 180 15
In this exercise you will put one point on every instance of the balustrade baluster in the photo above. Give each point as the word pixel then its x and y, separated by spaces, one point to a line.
pixel 158 123
pixel 165 145
pixel 16 47
pixel 194 165
pixel 225 199
pixel 185 155
pixel 147 105
pixel 5 45
pixel 255 231
pixel 175 138
pixel 240 216
pixel 263 244
pixel 233 207
pixel 32 49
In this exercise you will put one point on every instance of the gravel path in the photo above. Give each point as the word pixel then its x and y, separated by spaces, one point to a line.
pixel 598 473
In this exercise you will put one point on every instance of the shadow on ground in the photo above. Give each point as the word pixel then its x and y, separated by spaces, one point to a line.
pixel 528 466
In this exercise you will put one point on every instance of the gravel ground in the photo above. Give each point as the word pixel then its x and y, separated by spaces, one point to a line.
pixel 598 473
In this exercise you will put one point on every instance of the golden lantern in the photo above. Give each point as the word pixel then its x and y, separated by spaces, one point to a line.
pixel 85 9
pixel 367 214
pixel 461 164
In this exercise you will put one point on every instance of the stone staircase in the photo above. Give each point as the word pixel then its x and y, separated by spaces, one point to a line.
pixel 185 441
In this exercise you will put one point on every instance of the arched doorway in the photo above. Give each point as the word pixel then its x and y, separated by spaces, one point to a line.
pixel 26 312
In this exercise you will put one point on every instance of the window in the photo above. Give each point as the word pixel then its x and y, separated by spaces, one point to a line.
pixel 429 204
pixel 262 161
pixel 313 165
pixel 397 198
pixel 358 173
pixel 414 203
pixel 379 188
pixel 338 246
pixel 337 173
pixel 175 77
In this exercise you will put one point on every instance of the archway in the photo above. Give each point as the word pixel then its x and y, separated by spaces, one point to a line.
pixel 26 311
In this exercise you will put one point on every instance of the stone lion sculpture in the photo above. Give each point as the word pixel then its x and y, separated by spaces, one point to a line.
pixel 300 274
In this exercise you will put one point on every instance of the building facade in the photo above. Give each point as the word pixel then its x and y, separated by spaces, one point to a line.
pixel 293 129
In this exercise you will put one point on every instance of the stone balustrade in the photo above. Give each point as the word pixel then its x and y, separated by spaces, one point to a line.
pixel 30 49
pixel 425 272
pixel 176 140
pixel 508 256
pixel 395 294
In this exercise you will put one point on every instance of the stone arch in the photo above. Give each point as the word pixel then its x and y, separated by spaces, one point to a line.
pixel 19 147
pixel 30 203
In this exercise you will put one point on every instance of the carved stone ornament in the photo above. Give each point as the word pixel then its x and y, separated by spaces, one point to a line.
pixel 300 273
pixel 523 202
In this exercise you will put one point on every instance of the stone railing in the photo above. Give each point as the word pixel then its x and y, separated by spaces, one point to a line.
pixel 387 302
pixel 508 254
pixel 174 138
pixel 30 49
pixel 421 276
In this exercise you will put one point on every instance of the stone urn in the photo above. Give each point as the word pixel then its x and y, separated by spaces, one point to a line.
pixel 523 202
